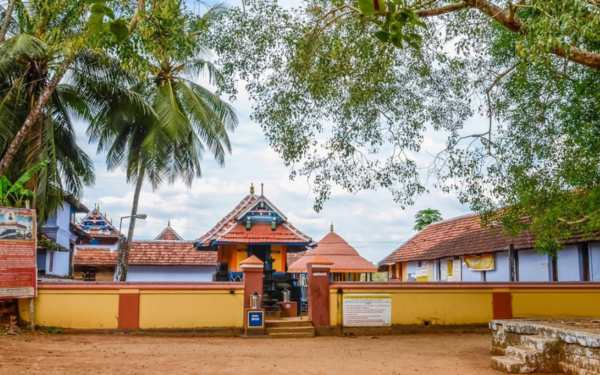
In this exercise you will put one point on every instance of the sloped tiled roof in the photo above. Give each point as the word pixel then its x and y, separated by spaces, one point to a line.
pixel 463 235
pixel 96 225
pixel 335 249
pixel 168 234
pixel 150 253
pixel 94 257
pixel 294 256
pixel 229 229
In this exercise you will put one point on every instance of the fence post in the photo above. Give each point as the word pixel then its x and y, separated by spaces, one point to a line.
pixel 253 283
pixel 318 291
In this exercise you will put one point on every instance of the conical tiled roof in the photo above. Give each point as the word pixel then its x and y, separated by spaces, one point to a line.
pixel 168 234
pixel 335 249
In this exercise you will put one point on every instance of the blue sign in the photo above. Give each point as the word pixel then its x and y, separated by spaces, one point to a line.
pixel 256 319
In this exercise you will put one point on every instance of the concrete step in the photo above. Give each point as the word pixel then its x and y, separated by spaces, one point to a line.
pixel 288 323
pixel 524 353
pixel 511 365
pixel 539 343
pixel 301 329
pixel 288 335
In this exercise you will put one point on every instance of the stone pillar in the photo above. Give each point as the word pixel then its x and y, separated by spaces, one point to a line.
pixel 318 291
pixel 253 283
pixel 253 277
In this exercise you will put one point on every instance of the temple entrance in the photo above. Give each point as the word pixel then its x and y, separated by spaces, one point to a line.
pixel 262 252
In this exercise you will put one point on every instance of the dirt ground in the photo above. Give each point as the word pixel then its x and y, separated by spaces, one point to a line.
pixel 133 354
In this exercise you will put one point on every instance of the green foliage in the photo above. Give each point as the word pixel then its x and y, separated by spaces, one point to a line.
pixel 15 194
pixel 344 106
pixel 425 217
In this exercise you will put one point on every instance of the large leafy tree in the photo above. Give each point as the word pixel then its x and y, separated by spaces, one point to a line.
pixel 159 126
pixel 346 92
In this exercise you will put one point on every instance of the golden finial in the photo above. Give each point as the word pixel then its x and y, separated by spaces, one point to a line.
pixel 252 188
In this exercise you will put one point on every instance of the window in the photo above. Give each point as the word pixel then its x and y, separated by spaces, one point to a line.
pixel 450 265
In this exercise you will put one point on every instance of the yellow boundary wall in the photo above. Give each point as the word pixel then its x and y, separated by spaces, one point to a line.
pixel 133 306
pixel 473 304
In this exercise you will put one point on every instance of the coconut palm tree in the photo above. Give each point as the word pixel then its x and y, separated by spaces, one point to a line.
pixel 52 138
pixel 159 128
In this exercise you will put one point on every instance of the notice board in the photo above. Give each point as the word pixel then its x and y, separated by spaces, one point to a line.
pixel 18 272
pixel 367 310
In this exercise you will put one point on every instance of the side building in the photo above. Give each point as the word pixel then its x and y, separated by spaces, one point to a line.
pixel 59 235
pixel 167 258
pixel 462 249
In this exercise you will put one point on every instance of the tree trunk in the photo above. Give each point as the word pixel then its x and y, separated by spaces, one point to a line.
pixel 7 17
pixel 123 259
pixel 32 118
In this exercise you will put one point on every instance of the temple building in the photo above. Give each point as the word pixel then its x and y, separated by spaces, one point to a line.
pixel 167 258
pixel 254 227
pixel 347 264
pixel 462 249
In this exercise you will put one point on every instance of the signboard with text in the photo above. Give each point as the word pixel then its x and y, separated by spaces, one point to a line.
pixel 18 272
pixel 367 310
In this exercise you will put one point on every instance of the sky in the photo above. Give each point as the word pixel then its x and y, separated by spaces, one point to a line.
pixel 370 221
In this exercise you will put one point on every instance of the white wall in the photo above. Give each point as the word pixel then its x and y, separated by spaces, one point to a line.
pixel 568 264
pixel 594 249
pixel 456 268
pixel 411 271
pixel 60 263
pixel 468 275
pixel 170 273
pixel 501 271
pixel 533 266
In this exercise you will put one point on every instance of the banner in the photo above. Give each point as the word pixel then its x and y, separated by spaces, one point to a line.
pixel 18 272
pixel 483 262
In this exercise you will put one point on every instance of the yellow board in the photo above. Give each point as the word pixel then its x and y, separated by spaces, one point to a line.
pixel 483 262
pixel 193 309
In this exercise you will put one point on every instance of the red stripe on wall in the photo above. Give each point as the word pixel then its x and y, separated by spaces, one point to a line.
pixel 502 305
pixel 129 311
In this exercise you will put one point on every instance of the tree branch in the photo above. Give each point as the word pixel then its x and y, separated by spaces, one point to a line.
pixel 7 17
pixel 141 5
pixel 511 22
pixel 442 10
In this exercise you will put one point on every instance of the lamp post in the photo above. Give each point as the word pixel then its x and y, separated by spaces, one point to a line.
pixel 138 216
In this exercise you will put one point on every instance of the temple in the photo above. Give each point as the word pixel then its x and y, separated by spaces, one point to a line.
pixel 254 227
pixel 347 264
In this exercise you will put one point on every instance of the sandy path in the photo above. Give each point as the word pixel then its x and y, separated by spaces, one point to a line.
pixel 130 354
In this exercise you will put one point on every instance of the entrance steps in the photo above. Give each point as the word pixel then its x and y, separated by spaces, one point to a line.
pixel 289 328
pixel 535 354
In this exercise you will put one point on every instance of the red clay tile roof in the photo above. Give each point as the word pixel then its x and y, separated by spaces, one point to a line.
pixel 260 233
pixel 459 236
pixel 150 253
pixel 168 234
pixel 94 257
pixel 335 249
pixel 294 256
pixel 228 229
